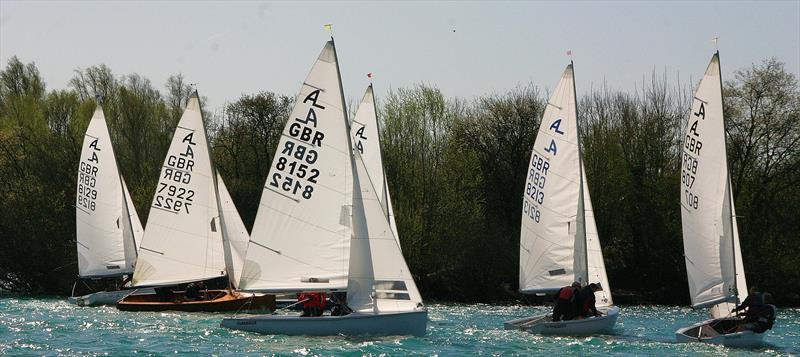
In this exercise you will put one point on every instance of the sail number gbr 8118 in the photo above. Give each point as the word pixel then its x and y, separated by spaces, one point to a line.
pixel 294 171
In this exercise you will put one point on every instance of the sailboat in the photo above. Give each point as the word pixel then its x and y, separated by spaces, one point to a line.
pixel 193 232
pixel 710 235
pixel 107 226
pixel 364 131
pixel 342 217
pixel 558 239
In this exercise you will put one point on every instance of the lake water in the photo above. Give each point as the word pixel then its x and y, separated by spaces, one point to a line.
pixel 51 326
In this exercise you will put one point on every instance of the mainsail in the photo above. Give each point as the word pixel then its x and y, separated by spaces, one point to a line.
pixel 301 236
pixel 710 241
pixel 366 139
pixel 106 221
pixel 183 238
pixel 379 279
pixel 553 237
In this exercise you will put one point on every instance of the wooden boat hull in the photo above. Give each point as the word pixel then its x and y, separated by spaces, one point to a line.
pixel 704 332
pixel 544 325
pixel 413 323
pixel 106 297
pixel 222 300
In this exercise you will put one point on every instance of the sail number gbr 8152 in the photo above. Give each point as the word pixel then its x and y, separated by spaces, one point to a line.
pixel 294 171
pixel 691 153
pixel 172 194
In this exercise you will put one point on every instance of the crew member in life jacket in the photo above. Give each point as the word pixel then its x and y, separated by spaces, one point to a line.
pixel 754 297
pixel 760 315
pixel 564 308
pixel 313 303
pixel 586 301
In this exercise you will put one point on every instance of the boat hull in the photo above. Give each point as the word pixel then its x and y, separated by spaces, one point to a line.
pixel 705 332
pixel 223 300
pixel 106 297
pixel 412 323
pixel 543 324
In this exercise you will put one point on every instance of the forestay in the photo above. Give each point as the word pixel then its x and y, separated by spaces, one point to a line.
pixel 706 204
pixel 235 234
pixel 301 236
pixel 552 236
pixel 105 239
pixel 183 241
pixel 366 139
pixel 379 279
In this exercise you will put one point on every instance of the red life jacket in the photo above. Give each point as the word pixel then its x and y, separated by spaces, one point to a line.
pixel 566 293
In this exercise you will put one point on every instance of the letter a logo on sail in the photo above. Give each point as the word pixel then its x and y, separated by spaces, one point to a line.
pixel 556 126
pixel 552 148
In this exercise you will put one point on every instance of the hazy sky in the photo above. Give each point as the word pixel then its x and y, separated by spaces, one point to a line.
pixel 464 48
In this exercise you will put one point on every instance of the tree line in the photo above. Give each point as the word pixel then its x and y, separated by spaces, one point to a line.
pixel 455 169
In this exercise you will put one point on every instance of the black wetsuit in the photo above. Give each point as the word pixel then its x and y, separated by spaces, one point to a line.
pixel 586 302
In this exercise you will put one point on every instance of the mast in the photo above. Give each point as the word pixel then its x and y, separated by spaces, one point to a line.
pixel 728 175
pixel 581 204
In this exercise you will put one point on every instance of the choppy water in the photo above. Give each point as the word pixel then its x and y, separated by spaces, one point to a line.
pixel 50 326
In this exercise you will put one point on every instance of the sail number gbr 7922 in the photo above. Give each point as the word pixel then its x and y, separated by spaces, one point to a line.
pixel 294 170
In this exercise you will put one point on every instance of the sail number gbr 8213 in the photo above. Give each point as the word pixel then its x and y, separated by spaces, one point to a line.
pixel 294 171
pixel 689 160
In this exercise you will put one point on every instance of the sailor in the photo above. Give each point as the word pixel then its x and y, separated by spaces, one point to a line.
pixel 313 303
pixel 340 307
pixel 754 297
pixel 586 301
pixel 760 314
pixel 564 308
pixel 193 291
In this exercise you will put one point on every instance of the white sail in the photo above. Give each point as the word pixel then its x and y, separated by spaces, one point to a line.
pixel 723 309
pixel 235 236
pixel 366 139
pixel 379 279
pixel 99 207
pixel 183 241
pixel 301 236
pixel 132 228
pixel 706 204
pixel 594 254
pixel 552 236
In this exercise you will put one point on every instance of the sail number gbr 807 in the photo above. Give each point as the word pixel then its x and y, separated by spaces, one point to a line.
pixel 294 171
pixel 691 153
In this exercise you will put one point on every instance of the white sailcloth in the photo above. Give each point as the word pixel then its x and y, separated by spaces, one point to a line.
pixel 183 241
pixel 706 204
pixel 366 139
pixel 100 211
pixel 235 236
pixel 552 236
pixel 379 279
pixel 132 228
pixel 594 254
pixel 301 237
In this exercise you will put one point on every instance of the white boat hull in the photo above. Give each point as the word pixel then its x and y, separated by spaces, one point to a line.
pixel 544 325
pixel 106 297
pixel 704 332
pixel 412 323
